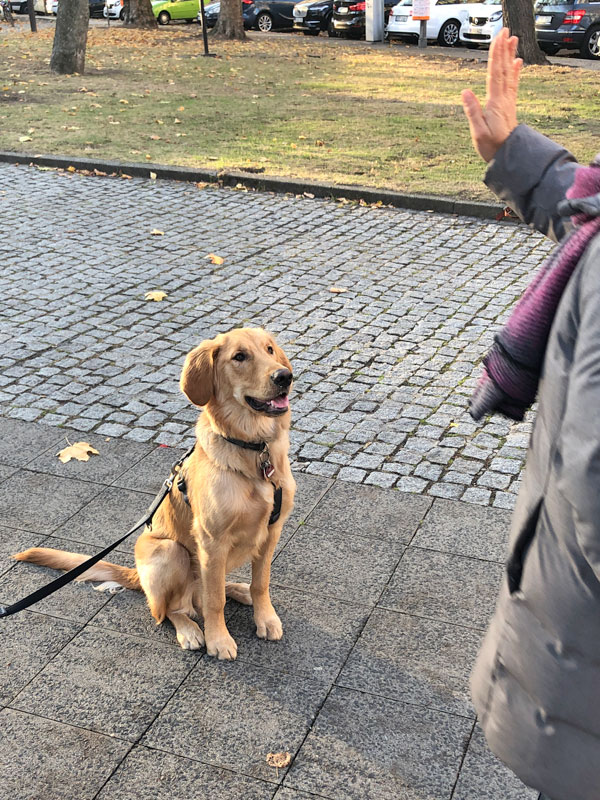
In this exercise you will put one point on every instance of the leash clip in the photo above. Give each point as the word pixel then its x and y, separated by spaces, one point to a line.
pixel 267 469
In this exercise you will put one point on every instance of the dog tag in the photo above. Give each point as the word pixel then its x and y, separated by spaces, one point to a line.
pixel 268 470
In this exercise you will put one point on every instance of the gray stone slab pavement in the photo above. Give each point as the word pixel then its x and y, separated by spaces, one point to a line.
pixel 383 371
pixel 368 690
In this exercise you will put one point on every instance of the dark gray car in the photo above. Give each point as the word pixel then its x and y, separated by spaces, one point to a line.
pixel 568 25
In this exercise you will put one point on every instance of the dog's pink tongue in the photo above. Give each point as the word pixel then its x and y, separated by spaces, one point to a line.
pixel 280 402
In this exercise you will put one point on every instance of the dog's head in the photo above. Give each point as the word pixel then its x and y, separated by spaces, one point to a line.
pixel 245 367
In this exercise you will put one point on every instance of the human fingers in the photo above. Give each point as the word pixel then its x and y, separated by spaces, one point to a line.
pixel 515 75
pixel 496 65
pixel 477 124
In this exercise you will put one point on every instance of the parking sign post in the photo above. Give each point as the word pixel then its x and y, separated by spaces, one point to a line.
pixel 374 21
pixel 421 12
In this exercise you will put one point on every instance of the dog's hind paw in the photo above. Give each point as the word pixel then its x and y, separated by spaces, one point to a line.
pixel 191 639
pixel 239 592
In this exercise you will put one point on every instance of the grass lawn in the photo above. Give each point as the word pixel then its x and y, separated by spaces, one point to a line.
pixel 296 107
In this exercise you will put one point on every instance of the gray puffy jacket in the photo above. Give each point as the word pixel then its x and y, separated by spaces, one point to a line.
pixel 536 683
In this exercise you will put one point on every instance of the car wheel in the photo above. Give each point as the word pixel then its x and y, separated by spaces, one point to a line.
pixel 331 31
pixel 448 35
pixel 122 14
pixel 164 18
pixel 549 49
pixel 264 22
pixel 590 47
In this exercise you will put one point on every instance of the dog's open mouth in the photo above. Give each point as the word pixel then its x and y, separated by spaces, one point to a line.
pixel 274 406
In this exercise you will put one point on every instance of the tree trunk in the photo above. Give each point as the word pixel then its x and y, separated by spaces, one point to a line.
pixel 70 37
pixel 230 24
pixel 139 14
pixel 518 18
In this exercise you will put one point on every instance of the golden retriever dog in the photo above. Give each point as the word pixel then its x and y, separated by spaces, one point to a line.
pixel 242 380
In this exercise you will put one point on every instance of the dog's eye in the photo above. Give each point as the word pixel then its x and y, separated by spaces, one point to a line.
pixel 270 350
pixel 239 357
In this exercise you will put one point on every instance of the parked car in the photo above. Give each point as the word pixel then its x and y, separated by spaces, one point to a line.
pixel 483 23
pixel 270 15
pixel 211 14
pixel 313 16
pixel 96 8
pixel 54 7
pixel 114 9
pixel 570 25
pixel 349 17
pixel 19 6
pixel 443 25
pixel 166 10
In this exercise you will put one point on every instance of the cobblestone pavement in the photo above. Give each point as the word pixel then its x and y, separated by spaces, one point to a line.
pixel 383 370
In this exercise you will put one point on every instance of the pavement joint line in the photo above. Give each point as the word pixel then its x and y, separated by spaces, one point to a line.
pixel 266 183
pixel 464 755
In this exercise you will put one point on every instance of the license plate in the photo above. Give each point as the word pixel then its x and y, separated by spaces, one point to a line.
pixel 402 19
pixel 543 20
pixel 343 10
pixel 475 29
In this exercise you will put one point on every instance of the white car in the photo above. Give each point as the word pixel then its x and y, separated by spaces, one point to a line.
pixel 484 23
pixel 114 9
pixel 443 25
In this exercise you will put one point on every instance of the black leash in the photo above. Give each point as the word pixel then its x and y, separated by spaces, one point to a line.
pixel 67 577
pixel 62 580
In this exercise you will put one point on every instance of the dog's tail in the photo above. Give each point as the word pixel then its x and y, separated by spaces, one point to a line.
pixel 102 571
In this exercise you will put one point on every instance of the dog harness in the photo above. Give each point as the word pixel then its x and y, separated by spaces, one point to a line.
pixel 266 468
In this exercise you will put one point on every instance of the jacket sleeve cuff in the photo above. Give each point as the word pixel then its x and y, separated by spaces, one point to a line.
pixel 531 174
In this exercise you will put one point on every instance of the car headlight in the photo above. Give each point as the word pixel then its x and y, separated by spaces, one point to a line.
pixel 496 16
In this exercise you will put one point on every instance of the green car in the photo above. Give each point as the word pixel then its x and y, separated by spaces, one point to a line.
pixel 166 10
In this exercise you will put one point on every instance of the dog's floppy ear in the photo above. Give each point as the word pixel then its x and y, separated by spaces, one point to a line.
pixel 197 376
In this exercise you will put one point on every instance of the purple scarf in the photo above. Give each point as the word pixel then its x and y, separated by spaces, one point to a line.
pixel 512 368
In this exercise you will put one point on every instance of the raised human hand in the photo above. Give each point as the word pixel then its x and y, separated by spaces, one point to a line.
pixel 491 126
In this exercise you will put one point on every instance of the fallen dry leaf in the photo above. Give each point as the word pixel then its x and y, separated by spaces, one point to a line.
pixel 24 138
pixel 337 289
pixel 156 295
pixel 214 259
pixel 156 232
pixel 279 760
pixel 153 176
pixel 80 451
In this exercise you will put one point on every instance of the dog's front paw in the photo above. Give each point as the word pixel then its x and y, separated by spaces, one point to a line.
pixel 268 626
pixel 223 647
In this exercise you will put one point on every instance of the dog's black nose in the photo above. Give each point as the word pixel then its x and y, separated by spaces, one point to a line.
pixel 282 378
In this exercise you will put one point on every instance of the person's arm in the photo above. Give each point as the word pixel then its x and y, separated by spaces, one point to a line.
pixel 528 171
pixel 531 174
